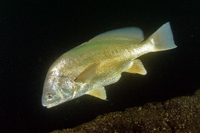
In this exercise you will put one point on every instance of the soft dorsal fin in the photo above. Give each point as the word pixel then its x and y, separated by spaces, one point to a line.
pixel 129 33
pixel 137 67
pixel 87 74
pixel 98 92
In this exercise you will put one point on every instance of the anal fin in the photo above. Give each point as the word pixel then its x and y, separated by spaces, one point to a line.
pixel 137 67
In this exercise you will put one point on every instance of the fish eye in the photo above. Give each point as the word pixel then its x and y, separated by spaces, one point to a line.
pixel 49 96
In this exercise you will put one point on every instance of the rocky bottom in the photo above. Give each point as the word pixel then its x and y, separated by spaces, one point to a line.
pixel 181 114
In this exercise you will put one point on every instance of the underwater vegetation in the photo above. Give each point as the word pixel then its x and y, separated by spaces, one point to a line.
pixel 180 114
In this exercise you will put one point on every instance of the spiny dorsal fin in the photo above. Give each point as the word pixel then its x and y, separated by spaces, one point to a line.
pixel 98 92
pixel 129 33
pixel 137 67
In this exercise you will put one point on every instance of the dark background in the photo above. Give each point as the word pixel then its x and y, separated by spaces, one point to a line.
pixel 34 33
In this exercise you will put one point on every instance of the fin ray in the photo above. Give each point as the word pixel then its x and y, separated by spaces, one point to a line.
pixel 163 38
pixel 129 33
pixel 87 74
pixel 137 67
pixel 98 92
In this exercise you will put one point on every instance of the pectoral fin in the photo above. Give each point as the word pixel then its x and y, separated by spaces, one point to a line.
pixel 137 67
pixel 98 92
pixel 87 74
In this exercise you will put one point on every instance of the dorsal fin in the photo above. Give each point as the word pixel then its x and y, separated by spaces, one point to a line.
pixel 129 33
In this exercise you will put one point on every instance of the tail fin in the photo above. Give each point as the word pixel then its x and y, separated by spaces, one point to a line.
pixel 163 38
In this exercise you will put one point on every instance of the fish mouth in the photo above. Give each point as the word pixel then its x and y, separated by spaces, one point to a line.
pixel 47 106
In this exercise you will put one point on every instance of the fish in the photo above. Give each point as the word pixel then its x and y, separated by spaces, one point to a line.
pixel 89 67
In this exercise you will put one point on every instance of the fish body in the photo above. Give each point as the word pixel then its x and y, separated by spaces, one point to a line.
pixel 91 66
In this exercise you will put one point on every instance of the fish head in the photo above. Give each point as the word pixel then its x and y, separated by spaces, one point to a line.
pixel 57 90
